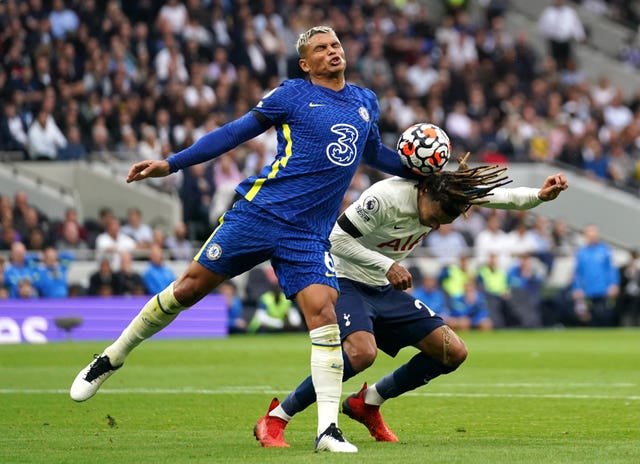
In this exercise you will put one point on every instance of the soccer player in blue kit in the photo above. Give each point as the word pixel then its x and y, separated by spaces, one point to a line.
pixel 324 126
pixel 370 239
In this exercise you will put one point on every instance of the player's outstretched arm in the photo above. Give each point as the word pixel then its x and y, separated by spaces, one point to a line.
pixel 148 168
pixel 552 187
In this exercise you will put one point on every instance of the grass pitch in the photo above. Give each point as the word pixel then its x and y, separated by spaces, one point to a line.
pixel 569 396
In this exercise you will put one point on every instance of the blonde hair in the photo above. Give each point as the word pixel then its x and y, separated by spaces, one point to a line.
pixel 303 39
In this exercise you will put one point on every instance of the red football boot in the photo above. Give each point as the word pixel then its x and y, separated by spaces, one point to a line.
pixel 369 415
pixel 269 431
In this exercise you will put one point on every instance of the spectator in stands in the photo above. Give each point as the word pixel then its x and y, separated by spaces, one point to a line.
pixel 137 229
pixel 63 20
pixel 32 221
pixel 521 239
pixel 45 137
pixel 492 280
pixel 616 114
pixel 259 281
pixel 50 276
pixel 453 277
pixel 101 148
pixel 493 240
pixel 472 225
pixel 196 193
pixel 20 205
pixel 469 310
pixel 95 227
pixel 175 14
pixel 70 239
pixel 561 26
pixel 628 304
pixel 236 323
pixel 158 237
pixel 564 240
pixel 112 241
pixel 18 268
pixel 8 235
pixel 621 165
pixel 70 215
pixel 596 280
pixel 596 160
pixel 226 176
pixel 75 149
pixel 274 313
pixel 602 92
pixel 158 274
pixel 169 62
pixel 525 281
pixel 103 282
pixel 446 244
pixel 13 129
pixel 25 289
pixel 178 243
pixel 198 96
pixel 374 67
pixel 149 147
pixel 35 240
pixel 127 280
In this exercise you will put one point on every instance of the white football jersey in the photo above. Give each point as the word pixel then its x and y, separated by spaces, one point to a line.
pixel 386 214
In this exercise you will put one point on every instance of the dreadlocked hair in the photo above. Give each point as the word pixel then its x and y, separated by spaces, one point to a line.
pixel 457 191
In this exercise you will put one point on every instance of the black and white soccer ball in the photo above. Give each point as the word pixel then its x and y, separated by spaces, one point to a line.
pixel 424 148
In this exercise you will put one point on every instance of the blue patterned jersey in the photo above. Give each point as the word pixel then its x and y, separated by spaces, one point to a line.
pixel 322 135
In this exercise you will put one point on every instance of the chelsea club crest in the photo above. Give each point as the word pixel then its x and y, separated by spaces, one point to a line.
pixel 214 252
pixel 364 114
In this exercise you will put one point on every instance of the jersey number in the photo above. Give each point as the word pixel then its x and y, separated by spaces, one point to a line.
pixel 420 305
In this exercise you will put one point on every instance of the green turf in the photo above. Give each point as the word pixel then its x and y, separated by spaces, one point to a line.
pixel 522 397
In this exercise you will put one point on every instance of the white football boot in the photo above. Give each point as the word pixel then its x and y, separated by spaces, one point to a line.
pixel 332 440
pixel 89 379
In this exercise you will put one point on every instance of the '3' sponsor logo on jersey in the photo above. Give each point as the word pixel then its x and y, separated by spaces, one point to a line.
pixel 343 152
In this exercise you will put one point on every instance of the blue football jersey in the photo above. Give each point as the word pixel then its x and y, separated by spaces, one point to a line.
pixel 322 135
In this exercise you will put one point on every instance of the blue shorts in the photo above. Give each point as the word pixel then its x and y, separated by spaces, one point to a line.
pixel 394 317
pixel 248 235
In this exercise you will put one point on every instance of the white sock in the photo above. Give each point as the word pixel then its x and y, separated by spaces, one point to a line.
pixel 371 396
pixel 155 315
pixel 326 373
pixel 279 412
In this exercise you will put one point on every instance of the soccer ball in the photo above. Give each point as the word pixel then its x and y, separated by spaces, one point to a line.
pixel 424 148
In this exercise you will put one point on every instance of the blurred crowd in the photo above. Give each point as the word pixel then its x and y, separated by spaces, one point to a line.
pixel 493 269
pixel 106 81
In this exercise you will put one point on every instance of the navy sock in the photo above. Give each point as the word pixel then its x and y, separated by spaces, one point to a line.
pixel 417 372
pixel 304 395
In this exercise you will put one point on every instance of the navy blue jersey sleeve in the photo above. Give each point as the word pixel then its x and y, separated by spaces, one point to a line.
pixel 220 141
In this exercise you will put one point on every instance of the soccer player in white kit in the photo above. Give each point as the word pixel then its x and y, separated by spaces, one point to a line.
pixel 369 240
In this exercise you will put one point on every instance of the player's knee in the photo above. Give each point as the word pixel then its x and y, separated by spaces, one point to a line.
pixel 457 354
pixel 186 295
pixel 361 358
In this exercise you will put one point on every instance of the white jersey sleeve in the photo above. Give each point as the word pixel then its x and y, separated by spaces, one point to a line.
pixel 386 214
pixel 513 198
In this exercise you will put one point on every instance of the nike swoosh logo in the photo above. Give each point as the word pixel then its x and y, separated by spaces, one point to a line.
pixel 328 274
pixel 314 105
pixel 398 227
